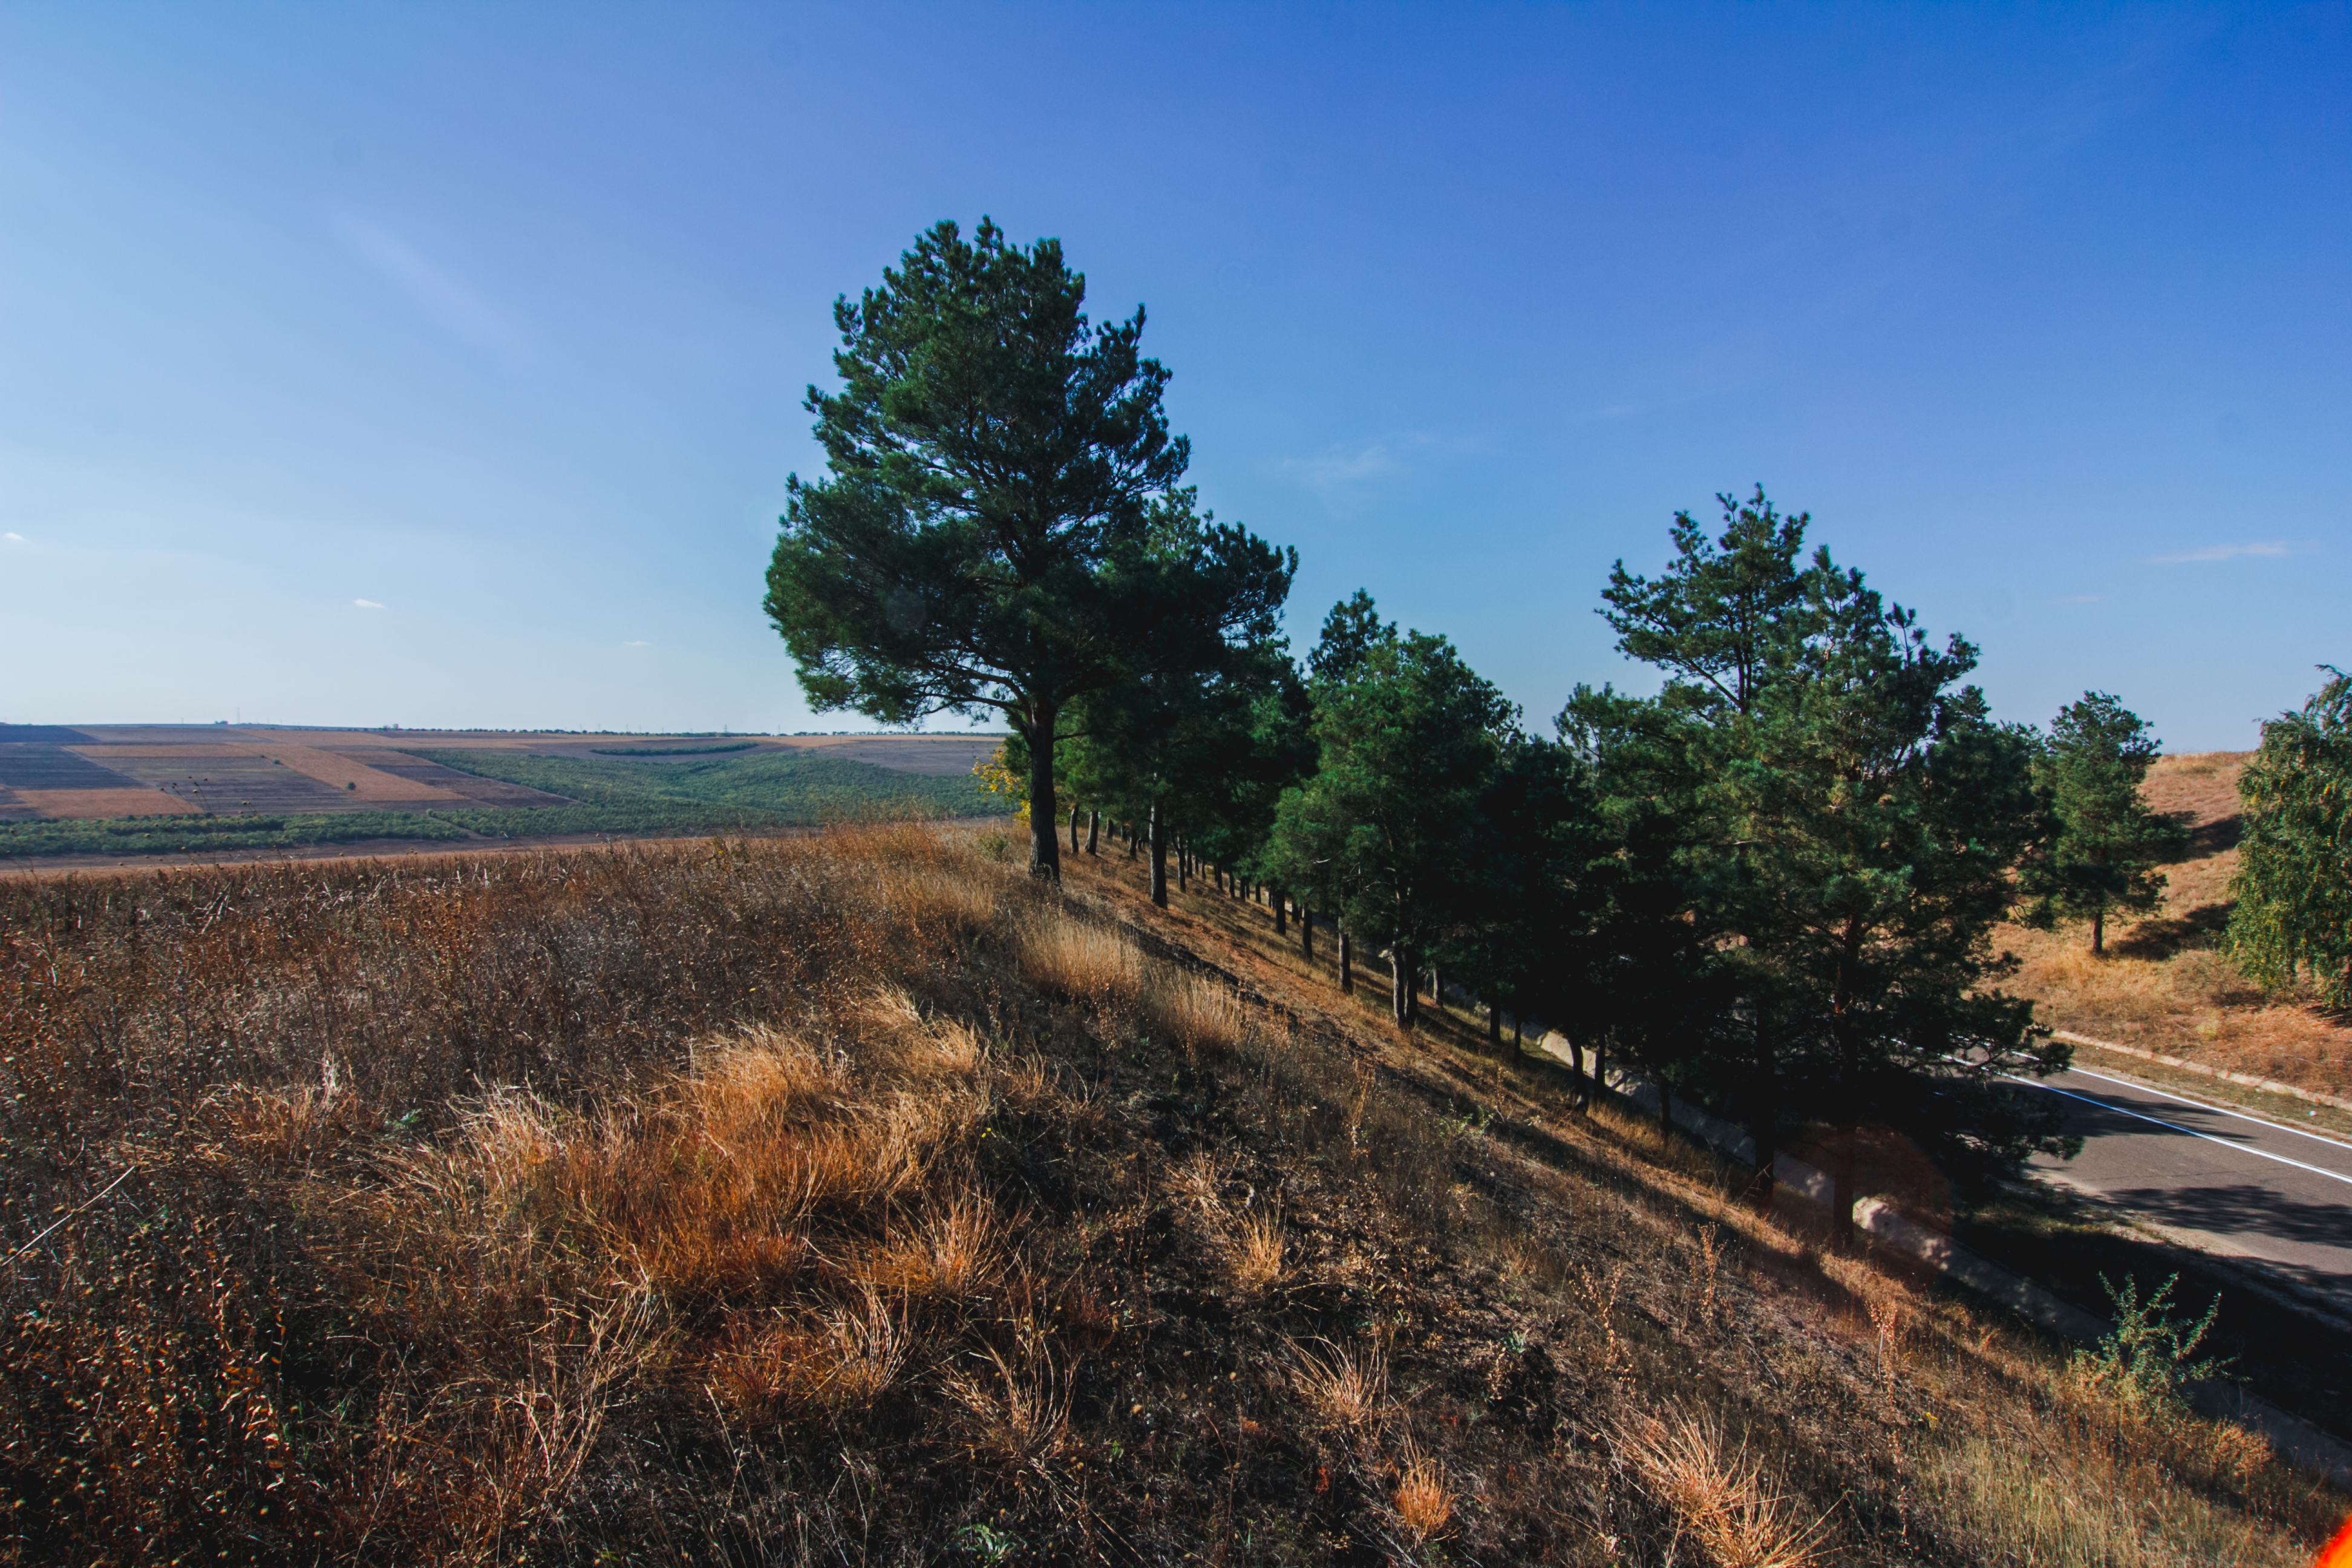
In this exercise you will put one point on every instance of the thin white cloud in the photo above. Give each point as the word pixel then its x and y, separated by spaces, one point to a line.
pixel 1341 466
pixel 639 643
pixel 2228 552
pixel 13 538
pixel 366 604
pixel 440 298
pixel 1338 468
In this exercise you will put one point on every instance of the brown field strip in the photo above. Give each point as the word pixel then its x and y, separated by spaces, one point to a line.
pixel 101 754
pixel 90 805
pixel 356 778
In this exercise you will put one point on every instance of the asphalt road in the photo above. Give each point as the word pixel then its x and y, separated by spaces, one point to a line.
pixel 2228 1183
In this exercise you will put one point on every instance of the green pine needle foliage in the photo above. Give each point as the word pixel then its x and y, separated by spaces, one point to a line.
pixel 2293 893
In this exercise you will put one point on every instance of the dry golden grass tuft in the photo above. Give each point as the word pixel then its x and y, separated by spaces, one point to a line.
pixel 953 1250
pixel 2074 1492
pixel 1085 962
pixel 1423 1499
pixel 1017 1410
pixel 1347 1389
pixel 1203 1017
pixel 1255 1253
pixel 839 1361
pixel 1719 1493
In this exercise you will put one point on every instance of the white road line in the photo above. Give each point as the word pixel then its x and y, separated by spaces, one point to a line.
pixel 2209 1105
pixel 2190 1131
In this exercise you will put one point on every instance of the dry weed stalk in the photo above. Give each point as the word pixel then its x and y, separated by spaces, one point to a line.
pixel 1600 1293
pixel 1890 1319
pixel 1718 1494
pixel 1710 1252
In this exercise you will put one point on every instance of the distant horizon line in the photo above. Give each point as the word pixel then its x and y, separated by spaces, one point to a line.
pixel 6 725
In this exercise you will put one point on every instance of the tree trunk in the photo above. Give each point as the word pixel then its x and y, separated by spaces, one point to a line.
pixel 1074 830
pixel 1437 988
pixel 1044 846
pixel 2099 929
pixel 1159 857
pixel 1346 962
pixel 1134 837
pixel 1183 867
pixel 1763 1124
pixel 1401 996
pixel 1094 831
pixel 1841 1175
pixel 1281 912
pixel 1494 1026
pixel 1849 1088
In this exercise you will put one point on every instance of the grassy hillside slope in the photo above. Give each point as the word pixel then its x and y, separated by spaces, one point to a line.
pixel 851 1199
pixel 2164 984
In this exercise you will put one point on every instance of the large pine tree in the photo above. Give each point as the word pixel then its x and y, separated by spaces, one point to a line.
pixel 1838 822
pixel 1003 529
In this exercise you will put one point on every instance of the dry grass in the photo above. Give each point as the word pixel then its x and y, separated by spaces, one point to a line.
pixel 1082 961
pixel 1202 1015
pixel 1347 1389
pixel 1255 1247
pixel 852 1200
pixel 1423 1497
pixel 2067 1493
pixel 1720 1495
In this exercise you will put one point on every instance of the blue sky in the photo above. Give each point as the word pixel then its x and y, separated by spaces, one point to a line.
pixel 441 364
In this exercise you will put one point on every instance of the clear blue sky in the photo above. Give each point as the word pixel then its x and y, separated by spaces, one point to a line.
pixel 441 364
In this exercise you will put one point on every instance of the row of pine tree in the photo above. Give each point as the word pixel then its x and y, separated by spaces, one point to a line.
pixel 1772 885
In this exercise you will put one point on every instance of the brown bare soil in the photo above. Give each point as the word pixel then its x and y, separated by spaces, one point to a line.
pixel 2163 984
pixel 361 781
pixel 850 1198
pixel 90 805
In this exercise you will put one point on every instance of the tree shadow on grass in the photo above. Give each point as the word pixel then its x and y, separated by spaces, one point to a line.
pixel 2207 840
pixel 2162 938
